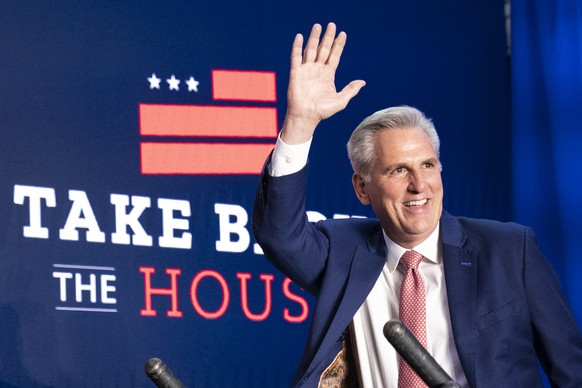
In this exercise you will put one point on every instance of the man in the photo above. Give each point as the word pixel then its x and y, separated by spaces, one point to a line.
pixel 480 296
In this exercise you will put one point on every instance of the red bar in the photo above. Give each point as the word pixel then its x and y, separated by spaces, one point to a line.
pixel 203 158
pixel 244 85
pixel 207 121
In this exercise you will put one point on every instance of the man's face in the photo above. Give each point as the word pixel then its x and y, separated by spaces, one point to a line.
pixel 405 187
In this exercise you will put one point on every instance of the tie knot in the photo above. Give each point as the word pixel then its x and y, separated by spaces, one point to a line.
pixel 411 259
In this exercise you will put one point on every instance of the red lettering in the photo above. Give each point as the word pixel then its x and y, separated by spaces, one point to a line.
pixel 296 298
pixel 194 294
pixel 149 291
pixel 245 298
pixel 297 312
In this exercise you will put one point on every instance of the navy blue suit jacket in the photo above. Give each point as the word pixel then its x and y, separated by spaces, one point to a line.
pixel 506 306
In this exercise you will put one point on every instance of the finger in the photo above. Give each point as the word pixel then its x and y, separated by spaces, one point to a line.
pixel 337 50
pixel 350 91
pixel 326 43
pixel 296 55
pixel 312 43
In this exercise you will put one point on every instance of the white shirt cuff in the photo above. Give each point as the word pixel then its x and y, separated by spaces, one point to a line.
pixel 288 159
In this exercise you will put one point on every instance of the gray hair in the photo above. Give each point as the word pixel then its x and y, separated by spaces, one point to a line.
pixel 361 144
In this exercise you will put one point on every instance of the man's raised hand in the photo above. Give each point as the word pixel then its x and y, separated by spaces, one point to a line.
pixel 312 95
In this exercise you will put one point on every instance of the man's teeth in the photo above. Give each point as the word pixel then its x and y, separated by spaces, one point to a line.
pixel 416 203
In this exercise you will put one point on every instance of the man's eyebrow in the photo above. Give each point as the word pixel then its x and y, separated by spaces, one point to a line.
pixel 431 160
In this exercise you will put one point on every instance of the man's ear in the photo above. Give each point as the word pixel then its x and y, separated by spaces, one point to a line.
pixel 360 188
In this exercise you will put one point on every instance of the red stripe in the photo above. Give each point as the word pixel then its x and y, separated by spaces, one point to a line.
pixel 244 85
pixel 203 158
pixel 207 121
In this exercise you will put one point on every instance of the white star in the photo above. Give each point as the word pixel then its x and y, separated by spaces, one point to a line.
pixel 192 84
pixel 173 82
pixel 154 81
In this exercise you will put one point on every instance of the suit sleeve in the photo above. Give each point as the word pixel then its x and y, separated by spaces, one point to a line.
pixel 557 337
pixel 280 226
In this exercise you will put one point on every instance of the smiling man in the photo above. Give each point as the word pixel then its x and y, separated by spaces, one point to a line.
pixel 478 294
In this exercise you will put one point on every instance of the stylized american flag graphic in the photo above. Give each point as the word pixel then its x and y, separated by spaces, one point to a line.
pixel 245 129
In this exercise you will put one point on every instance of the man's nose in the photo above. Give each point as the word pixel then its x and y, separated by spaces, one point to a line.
pixel 417 182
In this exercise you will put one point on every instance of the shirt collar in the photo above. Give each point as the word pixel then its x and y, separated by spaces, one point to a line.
pixel 429 248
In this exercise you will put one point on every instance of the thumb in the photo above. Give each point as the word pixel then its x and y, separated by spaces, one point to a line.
pixel 351 90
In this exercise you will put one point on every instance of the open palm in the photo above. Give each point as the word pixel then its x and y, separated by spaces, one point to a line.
pixel 312 95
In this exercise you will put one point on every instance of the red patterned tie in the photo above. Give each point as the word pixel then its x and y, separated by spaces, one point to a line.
pixel 412 314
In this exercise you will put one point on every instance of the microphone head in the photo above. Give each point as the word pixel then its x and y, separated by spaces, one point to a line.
pixel 161 375
pixel 154 367
pixel 394 329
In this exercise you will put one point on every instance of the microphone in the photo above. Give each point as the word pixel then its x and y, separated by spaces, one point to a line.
pixel 417 356
pixel 161 375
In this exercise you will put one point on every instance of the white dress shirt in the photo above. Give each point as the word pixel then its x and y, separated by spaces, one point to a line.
pixel 376 358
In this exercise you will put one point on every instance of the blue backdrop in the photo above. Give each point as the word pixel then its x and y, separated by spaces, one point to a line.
pixel 547 131
pixel 126 231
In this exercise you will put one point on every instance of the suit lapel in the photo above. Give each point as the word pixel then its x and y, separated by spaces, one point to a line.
pixel 366 267
pixel 461 266
pixel 367 263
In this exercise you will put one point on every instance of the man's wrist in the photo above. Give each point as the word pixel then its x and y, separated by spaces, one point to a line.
pixel 297 130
